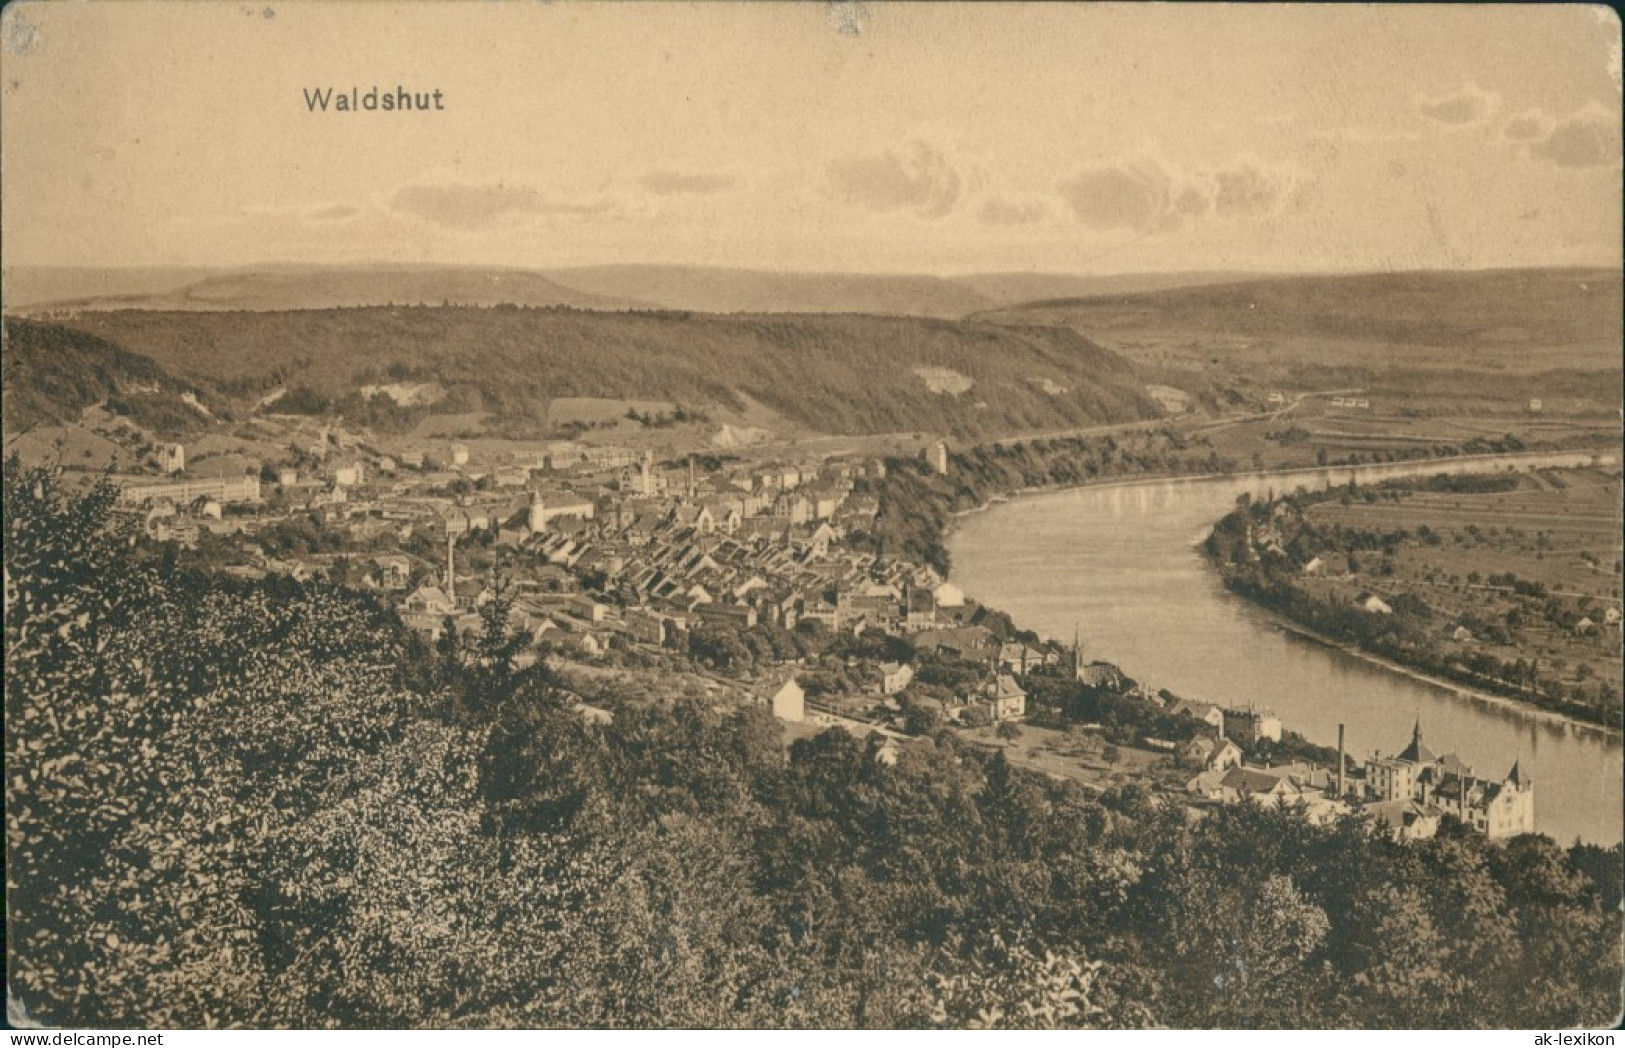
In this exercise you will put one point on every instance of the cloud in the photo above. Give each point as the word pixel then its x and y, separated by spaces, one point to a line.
pixel 1587 139
pixel 918 179
pixel 1148 196
pixel 1247 187
pixel 333 213
pixel 482 206
pixel 999 211
pixel 1527 126
pixel 1470 104
pixel 665 182
pixel 1136 194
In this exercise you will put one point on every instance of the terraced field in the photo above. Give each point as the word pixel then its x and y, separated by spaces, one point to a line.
pixel 1532 573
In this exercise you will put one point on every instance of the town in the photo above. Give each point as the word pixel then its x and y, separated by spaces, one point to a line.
pixel 873 516
pixel 754 574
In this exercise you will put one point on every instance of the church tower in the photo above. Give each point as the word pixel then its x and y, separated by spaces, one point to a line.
pixel 536 520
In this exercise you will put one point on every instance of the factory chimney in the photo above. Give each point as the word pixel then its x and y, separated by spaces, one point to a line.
pixel 1340 761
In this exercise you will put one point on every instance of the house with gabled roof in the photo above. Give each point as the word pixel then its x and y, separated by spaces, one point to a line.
pixel 1405 819
pixel 1374 604
pixel 430 599
pixel 1205 712
pixel 894 677
pixel 1020 658
pixel 973 643
pixel 394 570
pixel 738 616
pixel 1007 699
pixel 1210 753
pixel 784 696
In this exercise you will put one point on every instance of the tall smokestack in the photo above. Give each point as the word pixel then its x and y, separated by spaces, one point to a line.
pixel 1339 760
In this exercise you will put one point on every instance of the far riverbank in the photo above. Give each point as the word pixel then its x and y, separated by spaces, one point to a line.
pixel 1118 563
pixel 1363 473
pixel 1388 471
pixel 1248 548
pixel 1451 687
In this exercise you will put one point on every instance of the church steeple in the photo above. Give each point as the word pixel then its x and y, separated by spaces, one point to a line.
pixel 1416 752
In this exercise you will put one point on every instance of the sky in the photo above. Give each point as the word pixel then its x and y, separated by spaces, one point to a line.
pixel 872 137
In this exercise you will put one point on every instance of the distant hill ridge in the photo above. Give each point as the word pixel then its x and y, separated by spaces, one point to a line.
pixel 1478 319
pixel 348 287
pixel 1408 305
pixel 718 290
pixel 615 287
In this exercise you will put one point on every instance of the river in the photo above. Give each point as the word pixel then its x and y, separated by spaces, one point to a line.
pixel 1120 563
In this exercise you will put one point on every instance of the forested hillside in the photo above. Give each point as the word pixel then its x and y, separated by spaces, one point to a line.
pixel 266 804
pixel 51 373
pixel 829 373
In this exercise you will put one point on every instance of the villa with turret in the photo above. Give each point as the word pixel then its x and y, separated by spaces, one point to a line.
pixel 1428 785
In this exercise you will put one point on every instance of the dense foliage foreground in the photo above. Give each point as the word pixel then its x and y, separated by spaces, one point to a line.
pixel 269 805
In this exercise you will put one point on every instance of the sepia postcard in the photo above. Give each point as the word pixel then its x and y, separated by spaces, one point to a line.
pixel 836 516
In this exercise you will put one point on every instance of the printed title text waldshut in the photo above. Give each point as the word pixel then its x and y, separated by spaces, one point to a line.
pixel 375 99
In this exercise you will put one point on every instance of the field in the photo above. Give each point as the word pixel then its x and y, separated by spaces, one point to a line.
pixel 1512 319
pixel 1522 571
pixel 1079 757
pixel 1436 344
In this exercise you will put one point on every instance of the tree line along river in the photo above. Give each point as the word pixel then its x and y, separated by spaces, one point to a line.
pixel 1121 564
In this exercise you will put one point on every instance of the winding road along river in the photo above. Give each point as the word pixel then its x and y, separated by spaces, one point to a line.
pixel 1121 564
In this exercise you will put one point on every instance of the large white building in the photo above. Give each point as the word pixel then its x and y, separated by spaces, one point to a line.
pixel 1502 808
pixel 542 510
pixel 138 490
pixel 172 458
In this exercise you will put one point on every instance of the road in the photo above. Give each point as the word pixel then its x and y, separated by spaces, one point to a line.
pixel 1283 410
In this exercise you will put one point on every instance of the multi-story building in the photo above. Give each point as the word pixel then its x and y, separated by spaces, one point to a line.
pixel 136 490
pixel 1249 725
pixel 1445 784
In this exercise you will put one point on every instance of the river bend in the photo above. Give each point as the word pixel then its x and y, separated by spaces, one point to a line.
pixel 1121 564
